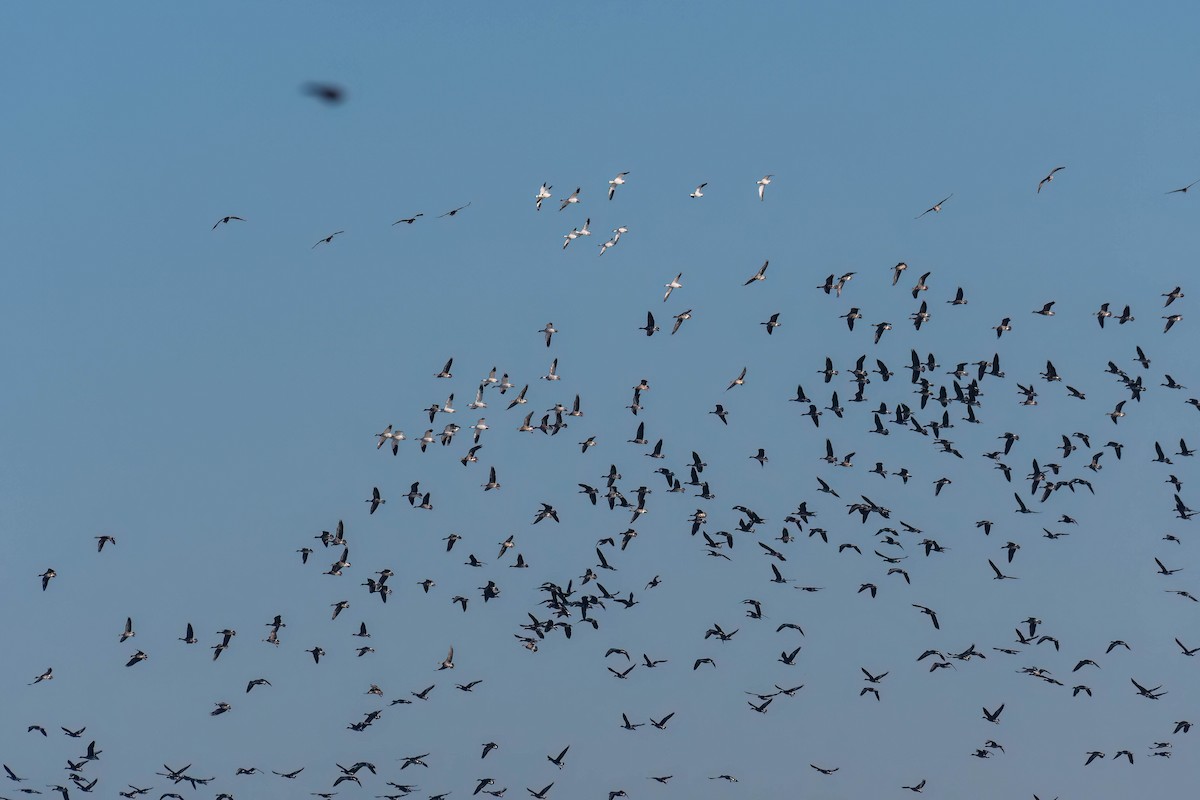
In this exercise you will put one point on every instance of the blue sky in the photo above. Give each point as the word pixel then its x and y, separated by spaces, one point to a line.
pixel 209 396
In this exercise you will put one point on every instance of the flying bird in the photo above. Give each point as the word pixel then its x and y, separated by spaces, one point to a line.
pixel 327 239
pixel 936 207
pixel 1047 179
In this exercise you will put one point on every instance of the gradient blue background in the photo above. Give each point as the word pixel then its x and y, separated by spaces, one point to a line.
pixel 209 397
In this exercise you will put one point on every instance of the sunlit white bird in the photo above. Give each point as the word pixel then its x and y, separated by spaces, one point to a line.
pixel 574 198
pixel 614 183
pixel 763 182
pixel 699 191
pixel 543 194
pixel 672 286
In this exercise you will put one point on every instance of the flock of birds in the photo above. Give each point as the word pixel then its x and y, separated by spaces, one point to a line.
pixel 579 604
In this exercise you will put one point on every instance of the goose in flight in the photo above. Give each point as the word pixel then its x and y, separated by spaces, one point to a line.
pixel 1047 179
pixel 740 380
pixel 672 286
pixel 763 182
pixel 1046 310
pixel 936 207
pixel 1184 190
pixel 650 327
pixel 761 275
pixel 543 194
pixel 448 661
pixel 375 500
pixel 492 482
pixel 699 192
pixel 549 331
pixel 921 286
pixel 571 200
pixel 615 182
pixel 394 436
pixel 930 613
pixel 519 400
pixel 680 318
pixel 408 220
pixel 558 760
pixel 454 211
pixel 225 220
pixel 327 239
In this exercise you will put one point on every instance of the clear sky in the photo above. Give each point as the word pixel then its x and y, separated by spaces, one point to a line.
pixel 209 396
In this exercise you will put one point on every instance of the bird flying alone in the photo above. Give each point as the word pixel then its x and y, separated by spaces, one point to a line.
pixel 1047 179
pixel 763 182
pixel 936 207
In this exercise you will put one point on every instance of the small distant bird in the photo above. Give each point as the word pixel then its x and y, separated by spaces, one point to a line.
pixel 408 220
pixel 543 194
pixel 1047 179
pixel 454 211
pixel 936 207
pixel 327 239
pixel 614 183
pixel 1184 189
pixel 672 286
pixel 699 191
pixel 448 661
pixel 571 200
pixel 761 275
pixel 325 92
pixel 226 220
pixel 763 182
